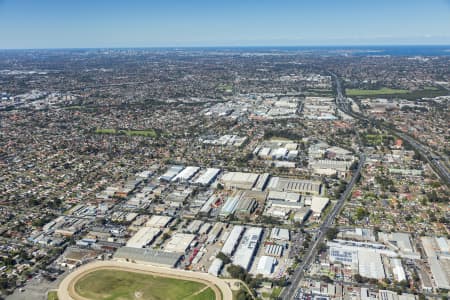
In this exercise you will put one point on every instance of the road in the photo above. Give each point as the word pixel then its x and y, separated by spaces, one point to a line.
pixel 435 160
pixel 289 291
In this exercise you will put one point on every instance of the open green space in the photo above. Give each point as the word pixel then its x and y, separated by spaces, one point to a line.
pixel 206 294
pixel 147 132
pixel 426 92
pixel 228 88
pixel 52 295
pixel 382 91
pixel 122 285
pixel 376 139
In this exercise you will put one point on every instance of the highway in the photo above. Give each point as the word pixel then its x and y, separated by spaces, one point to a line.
pixel 290 291
pixel 435 161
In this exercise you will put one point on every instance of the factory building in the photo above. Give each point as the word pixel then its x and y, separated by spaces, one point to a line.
pixel 307 187
pixel 266 265
pixel 247 248
pixel 400 242
pixel 208 177
pixel 318 204
pixel 158 221
pixel 279 234
pixel 143 237
pixel 230 205
pixel 148 256
pixel 273 250
pixel 283 196
pixel 186 174
pixel 233 239
pixel 397 269
pixel 261 182
pixel 171 173
pixel 216 267
pixel 245 207
pixel 438 256
pixel 179 242
pixel 239 180
pixel 370 265
pixel 215 233
pixel 343 256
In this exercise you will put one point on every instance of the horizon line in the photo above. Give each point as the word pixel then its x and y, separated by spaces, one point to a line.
pixel 228 46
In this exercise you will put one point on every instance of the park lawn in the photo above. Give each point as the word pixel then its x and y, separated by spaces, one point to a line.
pixel 382 91
pixel 52 295
pixel 122 285
pixel 207 294
pixel 147 132
pixel 105 131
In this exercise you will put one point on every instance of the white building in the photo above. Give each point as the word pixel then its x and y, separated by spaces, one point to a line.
pixel 279 234
pixel 158 221
pixel 207 177
pixel 179 242
pixel 232 241
pixel 216 267
pixel 239 180
pixel 247 248
pixel 370 265
pixel 143 237
pixel 186 174
pixel 266 265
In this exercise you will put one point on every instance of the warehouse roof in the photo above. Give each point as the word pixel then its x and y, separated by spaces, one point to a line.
pixel 179 242
pixel 279 234
pixel 143 237
pixel 265 265
pixel 151 256
pixel 207 177
pixel 215 267
pixel 247 248
pixel 232 240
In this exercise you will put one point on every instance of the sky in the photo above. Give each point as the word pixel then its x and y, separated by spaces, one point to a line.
pixel 191 23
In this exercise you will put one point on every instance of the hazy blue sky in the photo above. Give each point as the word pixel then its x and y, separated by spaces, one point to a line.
pixel 136 23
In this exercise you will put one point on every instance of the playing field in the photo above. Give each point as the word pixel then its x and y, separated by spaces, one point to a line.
pixel 52 295
pixel 383 91
pixel 122 285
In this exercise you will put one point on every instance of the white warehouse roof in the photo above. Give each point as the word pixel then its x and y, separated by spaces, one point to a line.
pixel 265 265
pixel 279 234
pixel 232 240
pixel 186 174
pixel 370 264
pixel 247 248
pixel 215 267
pixel 143 237
pixel 207 177
pixel 179 242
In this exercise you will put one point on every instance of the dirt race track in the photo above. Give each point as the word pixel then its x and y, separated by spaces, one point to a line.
pixel 66 290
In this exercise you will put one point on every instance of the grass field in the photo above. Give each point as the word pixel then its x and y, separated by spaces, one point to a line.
pixel 147 132
pixel 122 285
pixel 426 92
pixel 382 91
pixel 52 295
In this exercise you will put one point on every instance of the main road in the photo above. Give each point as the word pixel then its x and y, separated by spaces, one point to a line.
pixel 289 291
